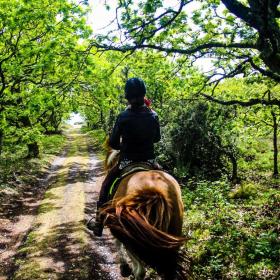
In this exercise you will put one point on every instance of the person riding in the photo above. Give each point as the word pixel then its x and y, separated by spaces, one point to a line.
pixel 134 134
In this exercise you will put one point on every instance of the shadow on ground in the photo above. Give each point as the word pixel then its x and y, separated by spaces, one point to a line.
pixel 63 251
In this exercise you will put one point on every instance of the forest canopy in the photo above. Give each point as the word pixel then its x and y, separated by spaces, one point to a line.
pixel 240 37
pixel 53 63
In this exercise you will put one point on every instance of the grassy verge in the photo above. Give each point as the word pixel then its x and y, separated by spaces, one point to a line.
pixel 17 171
pixel 234 234
pixel 96 138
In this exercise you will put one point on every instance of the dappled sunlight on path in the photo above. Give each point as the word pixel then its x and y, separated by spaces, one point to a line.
pixel 59 245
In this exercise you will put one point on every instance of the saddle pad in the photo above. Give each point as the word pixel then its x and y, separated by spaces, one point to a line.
pixel 136 166
pixel 128 170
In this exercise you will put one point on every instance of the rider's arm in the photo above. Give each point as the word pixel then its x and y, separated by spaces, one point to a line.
pixel 157 132
pixel 115 137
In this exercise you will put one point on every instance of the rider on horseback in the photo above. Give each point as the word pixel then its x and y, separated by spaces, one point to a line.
pixel 134 134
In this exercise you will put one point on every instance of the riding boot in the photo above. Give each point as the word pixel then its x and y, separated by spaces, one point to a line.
pixel 98 225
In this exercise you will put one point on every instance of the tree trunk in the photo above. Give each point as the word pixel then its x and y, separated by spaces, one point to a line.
pixel 262 16
pixel 275 148
pixel 1 140
pixel 101 120
pixel 33 150
pixel 234 175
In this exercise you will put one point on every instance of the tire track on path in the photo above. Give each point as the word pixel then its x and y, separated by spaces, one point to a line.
pixel 59 245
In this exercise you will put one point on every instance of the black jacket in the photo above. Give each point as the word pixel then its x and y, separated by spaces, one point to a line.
pixel 135 132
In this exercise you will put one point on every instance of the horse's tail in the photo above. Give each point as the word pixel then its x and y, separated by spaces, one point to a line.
pixel 140 221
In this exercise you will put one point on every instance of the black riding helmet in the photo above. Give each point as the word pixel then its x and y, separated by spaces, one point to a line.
pixel 135 88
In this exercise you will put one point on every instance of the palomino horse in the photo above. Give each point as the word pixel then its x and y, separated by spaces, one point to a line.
pixel 146 216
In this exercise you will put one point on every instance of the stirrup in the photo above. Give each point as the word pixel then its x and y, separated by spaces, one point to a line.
pixel 96 227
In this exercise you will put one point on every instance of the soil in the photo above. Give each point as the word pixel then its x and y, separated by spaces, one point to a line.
pixel 42 227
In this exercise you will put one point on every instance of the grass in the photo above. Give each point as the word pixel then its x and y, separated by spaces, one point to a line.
pixel 232 236
pixel 97 138
pixel 15 168
pixel 52 144
pixel 18 174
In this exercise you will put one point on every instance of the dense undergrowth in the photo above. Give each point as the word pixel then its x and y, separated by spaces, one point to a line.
pixel 17 170
pixel 97 137
pixel 234 233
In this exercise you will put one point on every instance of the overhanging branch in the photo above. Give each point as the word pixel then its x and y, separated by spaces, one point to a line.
pixel 211 45
pixel 243 12
pixel 265 72
pixel 248 103
pixel 162 26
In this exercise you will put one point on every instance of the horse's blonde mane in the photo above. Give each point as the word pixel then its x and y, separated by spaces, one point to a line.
pixel 112 156
pixel 141 220
pixel 112 159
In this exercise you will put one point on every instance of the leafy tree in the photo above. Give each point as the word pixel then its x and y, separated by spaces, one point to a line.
pixel 255 121
pixel 41 58
pixel 103 96
pixel 102 87
pixel 240 37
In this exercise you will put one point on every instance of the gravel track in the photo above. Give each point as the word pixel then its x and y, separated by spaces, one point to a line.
pixel 51 241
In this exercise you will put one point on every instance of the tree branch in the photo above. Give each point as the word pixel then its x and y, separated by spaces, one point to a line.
pixel 237 70
pixel 243 12
pixel 210 45
pixel 153 32
pixel 248 103
pixel 3 82
pixel 267 73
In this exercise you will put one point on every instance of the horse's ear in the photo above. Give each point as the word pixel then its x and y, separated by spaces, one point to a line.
pixel 106 145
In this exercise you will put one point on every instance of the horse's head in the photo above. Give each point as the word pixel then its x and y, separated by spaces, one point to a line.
pixel 112 156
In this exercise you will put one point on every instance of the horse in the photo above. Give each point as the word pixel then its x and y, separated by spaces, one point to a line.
pixel 146 216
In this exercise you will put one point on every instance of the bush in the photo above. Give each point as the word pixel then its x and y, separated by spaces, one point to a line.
pixel 192 142
pixel 52 144
pixel 245 190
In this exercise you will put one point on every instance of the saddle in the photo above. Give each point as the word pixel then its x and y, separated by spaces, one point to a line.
pixel 128 170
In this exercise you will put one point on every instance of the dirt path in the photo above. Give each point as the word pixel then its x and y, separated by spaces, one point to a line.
pixel 55 244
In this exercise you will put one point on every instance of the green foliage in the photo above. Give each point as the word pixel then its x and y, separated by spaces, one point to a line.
pixel 245 190
pixel 231 238
pixel 52 144
pixel 41 55
pixel 48 68
pixel 97 137
pixel 195 140
pixel 228 32
pixel 15 168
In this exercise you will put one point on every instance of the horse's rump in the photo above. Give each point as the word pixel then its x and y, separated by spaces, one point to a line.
pixel 146 213
pixel 141 220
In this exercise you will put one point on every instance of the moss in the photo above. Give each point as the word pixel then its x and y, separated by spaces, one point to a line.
pixel 30 270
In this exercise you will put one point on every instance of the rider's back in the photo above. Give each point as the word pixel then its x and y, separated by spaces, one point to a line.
pixel 139 130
